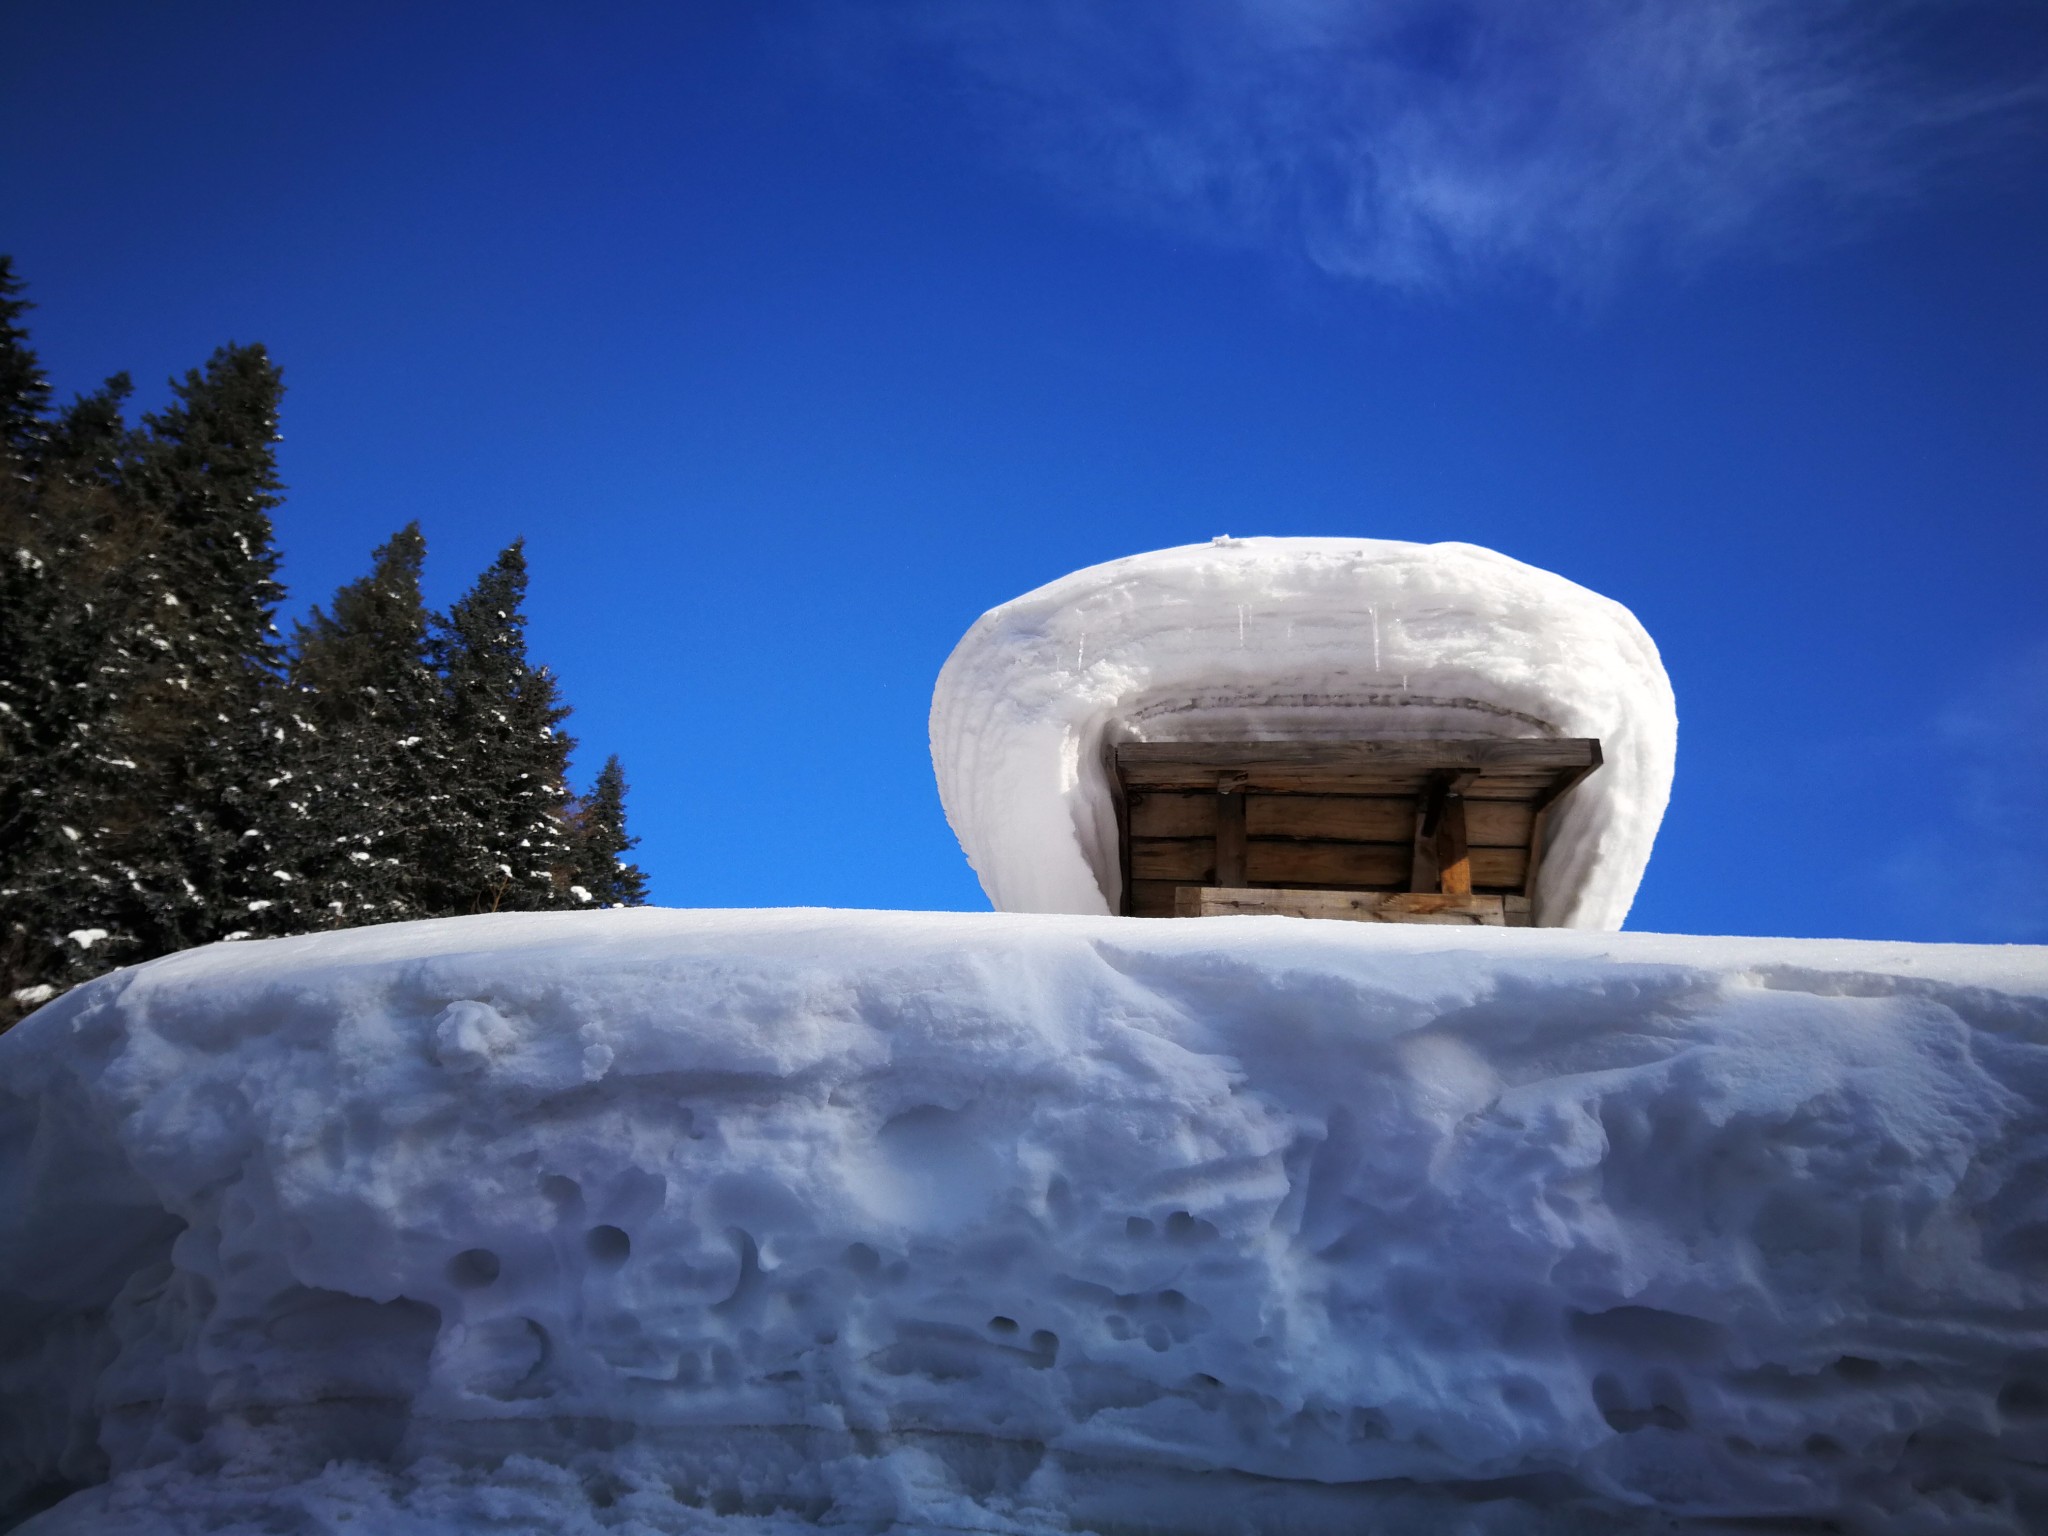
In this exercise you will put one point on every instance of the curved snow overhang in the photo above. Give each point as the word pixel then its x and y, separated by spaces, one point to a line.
pixel 1293 639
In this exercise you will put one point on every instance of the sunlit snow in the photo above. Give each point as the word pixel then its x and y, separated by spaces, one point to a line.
pixel 655 1221
pixel 1262 639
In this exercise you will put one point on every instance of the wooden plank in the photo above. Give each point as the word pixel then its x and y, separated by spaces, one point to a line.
pixel 1140 759
pixel 1453 859
pixel 1191 860
pixel 1497 824
pixel 1568 778
pixel 1499 869
pixel 1511 786
pixel 1422 866
pixel 1507 768
pixel 1353 906
pixel 1173 813
pixel 1330 818
pixel 1355 865
pixel 1120 804
pixel 1230 840
pixel 1536 834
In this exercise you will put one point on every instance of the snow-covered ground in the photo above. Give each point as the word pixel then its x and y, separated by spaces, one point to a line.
pixel 659 1221
pixel 1263 639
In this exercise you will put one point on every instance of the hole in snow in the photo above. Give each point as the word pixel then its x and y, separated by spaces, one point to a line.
pixel 1045 1346
pixel 1002 1325
pixel 608 1245
pixel 2024 1399
pixel 473 1269
pixel 1624 1417
pixel 1523 1394
pixel 561 1189
pixel 1157 1336
pixel 1650 1331
pixel 1184 1227
pixel 862 1259
pixel 1118 1325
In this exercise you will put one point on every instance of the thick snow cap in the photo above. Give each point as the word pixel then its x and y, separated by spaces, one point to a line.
pixel 1271 639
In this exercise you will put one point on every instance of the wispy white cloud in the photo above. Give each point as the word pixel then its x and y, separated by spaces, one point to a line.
pixel 1417 143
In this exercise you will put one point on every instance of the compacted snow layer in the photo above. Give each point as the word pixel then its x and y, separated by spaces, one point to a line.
pixel 1263 639
pixel 655 1221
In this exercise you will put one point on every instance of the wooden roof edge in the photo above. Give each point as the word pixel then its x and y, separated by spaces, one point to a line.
pixel 1562 752
pixel 1568 779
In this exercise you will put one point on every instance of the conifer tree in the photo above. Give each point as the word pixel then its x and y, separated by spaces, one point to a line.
pixel 511 757
pixel 24 391
pixel 162 782
pixel 602 873
pixel 75 559
pixel 373 757
pixel 207 720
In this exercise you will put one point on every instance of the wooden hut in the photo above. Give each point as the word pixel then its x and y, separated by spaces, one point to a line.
pixel 1391 831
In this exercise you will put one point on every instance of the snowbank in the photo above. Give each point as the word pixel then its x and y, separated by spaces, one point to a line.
pixel 661 1221
pixel 1255 639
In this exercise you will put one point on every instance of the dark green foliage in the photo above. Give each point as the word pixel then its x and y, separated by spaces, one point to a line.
pixel 170 776
pixel 513 760
pixel 602 872
pixel 371 754
pixel 90 442
pixel 24 392
pixel 202 717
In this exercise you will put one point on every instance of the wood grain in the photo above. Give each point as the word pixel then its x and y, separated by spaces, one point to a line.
pixel 1173 813
pixel 1173 858
pixel 1330 818
pixel 1382 866
pixel 1230 840
pixel 1354 906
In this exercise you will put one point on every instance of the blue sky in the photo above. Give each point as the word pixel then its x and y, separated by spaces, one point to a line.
pixel 794 336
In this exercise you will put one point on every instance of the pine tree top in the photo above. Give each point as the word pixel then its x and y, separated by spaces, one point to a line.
pixel 24 389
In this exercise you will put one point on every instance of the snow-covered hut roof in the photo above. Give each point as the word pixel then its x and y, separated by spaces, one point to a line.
pixel 1293 639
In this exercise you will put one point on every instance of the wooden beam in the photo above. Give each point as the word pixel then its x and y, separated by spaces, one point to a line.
pixel 1419 752
pixel 1353 906
pixel 1230 835
pixel 1536 830
pixel 1507 767
pixel 1422 865
pixel 1566 781
pixel 1119 800
pixel 1453 859
pixel 1568 777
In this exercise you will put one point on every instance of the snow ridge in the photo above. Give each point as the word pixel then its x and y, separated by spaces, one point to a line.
pixel 656 1221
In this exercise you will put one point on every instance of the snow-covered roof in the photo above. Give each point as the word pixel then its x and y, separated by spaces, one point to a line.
pixel 1285 639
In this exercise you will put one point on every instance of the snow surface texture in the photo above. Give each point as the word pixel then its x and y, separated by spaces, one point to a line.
pixel 1262 639
pixel 652 1221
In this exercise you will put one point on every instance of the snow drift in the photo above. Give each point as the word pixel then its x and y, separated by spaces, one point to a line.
pixel 650 1221
pixel 1259 639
